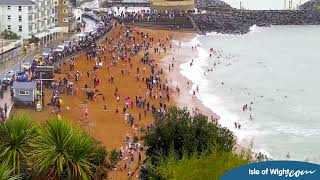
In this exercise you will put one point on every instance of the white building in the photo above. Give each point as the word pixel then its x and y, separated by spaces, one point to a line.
pixel 30 17
pixel 45 15
pixel 15 16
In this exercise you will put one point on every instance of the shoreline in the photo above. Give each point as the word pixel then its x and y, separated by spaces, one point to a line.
pixel 113 131
pixel 176 78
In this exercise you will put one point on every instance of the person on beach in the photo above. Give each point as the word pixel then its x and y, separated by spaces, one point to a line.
pixel 86 113
pixel 5 109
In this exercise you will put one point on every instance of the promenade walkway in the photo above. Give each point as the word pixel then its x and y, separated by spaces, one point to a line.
pixel 7 100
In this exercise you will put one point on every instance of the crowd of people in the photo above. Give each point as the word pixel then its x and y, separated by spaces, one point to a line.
pixel 151 15
pixel 112 54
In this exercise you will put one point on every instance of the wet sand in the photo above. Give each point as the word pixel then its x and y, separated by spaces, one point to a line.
pixel 183 55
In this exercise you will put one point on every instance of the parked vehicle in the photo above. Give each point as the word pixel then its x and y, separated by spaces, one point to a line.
pixel 26 65
pixel 47 52
pixel 8 77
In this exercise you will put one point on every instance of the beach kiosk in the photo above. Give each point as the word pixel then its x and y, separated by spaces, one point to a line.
pixel 24 93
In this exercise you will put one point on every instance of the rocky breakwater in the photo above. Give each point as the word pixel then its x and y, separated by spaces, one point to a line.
pixel 212 4
pixel 310 5
pixel 240 21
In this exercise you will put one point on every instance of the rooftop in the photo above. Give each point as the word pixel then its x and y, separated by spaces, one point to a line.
pixel 24 85
pixel 16 2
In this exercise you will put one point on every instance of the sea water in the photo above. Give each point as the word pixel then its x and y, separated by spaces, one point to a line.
pixel 264 4
pixel 277 69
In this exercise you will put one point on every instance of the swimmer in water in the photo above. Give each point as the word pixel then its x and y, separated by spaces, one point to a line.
pixel 288 155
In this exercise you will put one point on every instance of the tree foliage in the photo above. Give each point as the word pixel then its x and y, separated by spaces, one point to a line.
pixel 63 150
pixel 34 39
pixel 15 139
pixel 205 166
pixel 6 34
pixel 55 148
pixel 6 172
pixel 183 133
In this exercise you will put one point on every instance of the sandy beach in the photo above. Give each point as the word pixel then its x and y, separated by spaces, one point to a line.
pixel 109 126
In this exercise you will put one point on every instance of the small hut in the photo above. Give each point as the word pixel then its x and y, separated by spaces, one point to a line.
pixel 24 93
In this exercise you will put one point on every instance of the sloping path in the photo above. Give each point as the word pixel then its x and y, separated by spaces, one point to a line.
pixel 7 100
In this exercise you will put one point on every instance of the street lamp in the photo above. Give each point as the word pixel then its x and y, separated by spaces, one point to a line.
pixel 40 104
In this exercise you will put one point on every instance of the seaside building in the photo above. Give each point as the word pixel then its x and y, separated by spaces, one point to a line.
pixel 65 14
pixel 17 16
pixel 9 50
pixel 29 18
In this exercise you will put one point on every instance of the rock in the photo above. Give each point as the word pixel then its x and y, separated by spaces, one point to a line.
pixel 212 4
pixel 310 5
pixel 239 21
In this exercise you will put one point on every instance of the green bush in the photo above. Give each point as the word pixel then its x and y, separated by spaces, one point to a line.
pixel 33 39
pixel 55 149
pixel 202 167
pixel 183 133
pixel 9 35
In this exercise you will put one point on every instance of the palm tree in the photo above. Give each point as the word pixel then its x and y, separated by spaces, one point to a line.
pixel 15 137
pixel 6 172
pixel 62 150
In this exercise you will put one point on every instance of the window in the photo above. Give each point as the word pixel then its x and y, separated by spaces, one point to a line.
pixel 9 7
pixel 64 2
pixel 9 27
pixel 20 18
pixel 9 17
pixel 20 28
pixel 19 8
pixel 65 11
pixel 65 19
pixel 23 93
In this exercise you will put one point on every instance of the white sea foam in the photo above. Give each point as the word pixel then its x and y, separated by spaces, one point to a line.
pixel 268 72
pixel 211 101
